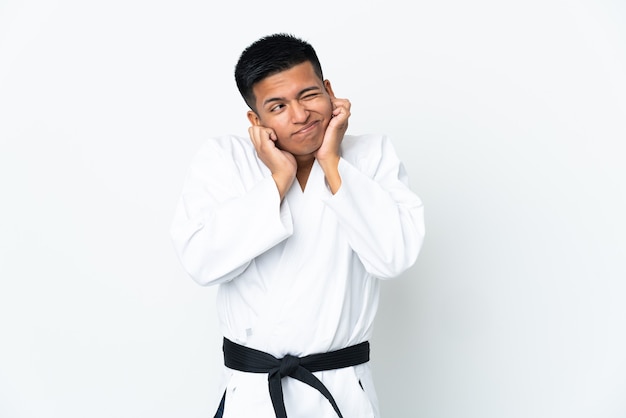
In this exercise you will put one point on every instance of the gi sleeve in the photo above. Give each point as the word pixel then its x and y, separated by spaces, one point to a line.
pixel 226 215
pixel 382 218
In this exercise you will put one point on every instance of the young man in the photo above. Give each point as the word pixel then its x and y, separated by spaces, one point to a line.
pixel 297 224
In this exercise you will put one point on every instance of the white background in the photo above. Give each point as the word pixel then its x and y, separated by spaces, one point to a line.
pixel 511 120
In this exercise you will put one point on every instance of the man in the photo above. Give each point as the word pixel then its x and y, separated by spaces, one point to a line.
pixel 297 224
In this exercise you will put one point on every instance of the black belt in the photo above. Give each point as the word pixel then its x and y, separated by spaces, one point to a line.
pixel 244 359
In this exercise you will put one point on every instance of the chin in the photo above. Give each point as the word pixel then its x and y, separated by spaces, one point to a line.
pixel 305 147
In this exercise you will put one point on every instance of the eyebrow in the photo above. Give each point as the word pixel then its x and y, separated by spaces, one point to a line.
pixel 300 94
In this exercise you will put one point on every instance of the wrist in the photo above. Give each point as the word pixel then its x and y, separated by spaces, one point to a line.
pixel 283 182
pixel 330 167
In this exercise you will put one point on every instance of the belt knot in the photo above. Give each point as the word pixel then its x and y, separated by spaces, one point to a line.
pixel 288 365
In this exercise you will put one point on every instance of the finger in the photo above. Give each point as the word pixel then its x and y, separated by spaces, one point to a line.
pixel 253 135
pixel 259 134
pixel 341 110
pixel 341 103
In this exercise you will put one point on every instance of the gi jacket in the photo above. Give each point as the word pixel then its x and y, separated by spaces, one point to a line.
pixel 300 276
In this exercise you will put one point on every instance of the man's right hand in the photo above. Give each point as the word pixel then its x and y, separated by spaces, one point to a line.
pixel 281 163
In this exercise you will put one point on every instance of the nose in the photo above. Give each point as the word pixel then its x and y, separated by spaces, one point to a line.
pixel 299 112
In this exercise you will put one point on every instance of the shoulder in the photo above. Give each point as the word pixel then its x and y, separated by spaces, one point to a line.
pixel 229 156
pixel 224 150
pixel 370 147
pixel 370 153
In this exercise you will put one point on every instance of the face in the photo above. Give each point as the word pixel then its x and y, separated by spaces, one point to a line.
pixel 297 105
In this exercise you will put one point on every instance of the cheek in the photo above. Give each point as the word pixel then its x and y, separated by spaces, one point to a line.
pixel 328 109
pixel 278 122
pixel 278 128
pixel 281 132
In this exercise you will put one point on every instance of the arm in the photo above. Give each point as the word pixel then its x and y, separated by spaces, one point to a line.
pixel 382 217
pixel 281 164
pixel 225 217
pixel 328 155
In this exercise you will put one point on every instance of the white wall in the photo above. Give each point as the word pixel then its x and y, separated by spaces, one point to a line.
pixel 511 119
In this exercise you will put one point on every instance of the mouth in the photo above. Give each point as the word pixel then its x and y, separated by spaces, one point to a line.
pixel 308 128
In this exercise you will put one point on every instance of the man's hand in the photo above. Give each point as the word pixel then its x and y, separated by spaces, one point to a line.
pixel 328 154
pixel 281 163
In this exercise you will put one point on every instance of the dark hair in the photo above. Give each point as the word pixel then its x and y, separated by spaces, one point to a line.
pixel 270 55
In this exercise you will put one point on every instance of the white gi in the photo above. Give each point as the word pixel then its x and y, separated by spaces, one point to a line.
pixel 302 276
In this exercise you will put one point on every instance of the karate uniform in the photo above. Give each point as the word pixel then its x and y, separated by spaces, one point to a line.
pixel 300 276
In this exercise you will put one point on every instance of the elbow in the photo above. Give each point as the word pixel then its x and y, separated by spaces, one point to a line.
pixel 388 269
pixel 400 257
pixel 208 271
pixel 201 262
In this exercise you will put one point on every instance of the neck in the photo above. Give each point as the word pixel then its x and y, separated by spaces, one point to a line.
pixel 305 163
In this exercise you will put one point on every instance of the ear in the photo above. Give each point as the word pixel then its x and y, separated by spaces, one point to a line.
pixel 254 118
pixel 329 89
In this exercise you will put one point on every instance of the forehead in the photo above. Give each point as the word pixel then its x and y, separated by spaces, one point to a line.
pixel 287 83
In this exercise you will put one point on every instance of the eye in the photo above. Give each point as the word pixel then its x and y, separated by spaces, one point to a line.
pixel 277 107
pixel 310 96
